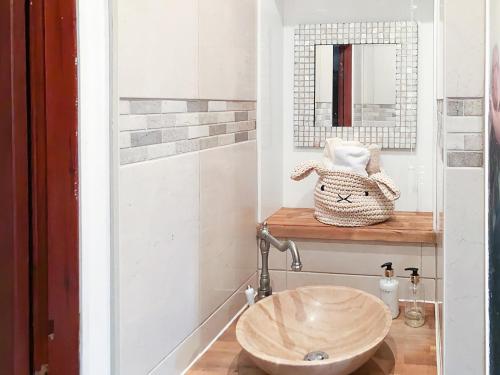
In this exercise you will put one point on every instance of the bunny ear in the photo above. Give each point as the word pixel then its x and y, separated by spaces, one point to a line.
pixel 304 169
pixel 386 185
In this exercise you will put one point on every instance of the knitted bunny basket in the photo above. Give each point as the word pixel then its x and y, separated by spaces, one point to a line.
pixel 348 199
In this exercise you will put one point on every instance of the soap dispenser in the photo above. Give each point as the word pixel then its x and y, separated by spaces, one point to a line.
pixel 389 289
pixel 414 306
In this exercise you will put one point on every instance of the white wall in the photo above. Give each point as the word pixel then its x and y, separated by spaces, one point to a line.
pixel 338 263
pixel 94 86
pixel 167 51
pixel 327 11
pixel 187 231
pixel 464 297
pixel 412 171
pixel 186 222
pixel 270 107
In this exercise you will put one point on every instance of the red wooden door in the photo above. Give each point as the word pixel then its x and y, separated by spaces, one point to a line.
pixel 14 193
pixel 54 185
pixel 39 268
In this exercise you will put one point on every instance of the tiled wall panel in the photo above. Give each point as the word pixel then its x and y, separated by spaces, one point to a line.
pixel 188 180
pixel 157 48
pixel 464 140
pixel 152 129
pixel 228 49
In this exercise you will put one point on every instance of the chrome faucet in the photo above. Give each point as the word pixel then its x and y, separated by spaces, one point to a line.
pixel 266 240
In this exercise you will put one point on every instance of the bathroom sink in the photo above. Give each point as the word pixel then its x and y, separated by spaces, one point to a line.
pixel 318 330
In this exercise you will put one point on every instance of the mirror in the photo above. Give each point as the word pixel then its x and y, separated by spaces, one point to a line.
pixel 357 81
pixel 355 85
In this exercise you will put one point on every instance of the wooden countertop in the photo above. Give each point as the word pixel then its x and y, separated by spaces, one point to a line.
pixel 405 351
pixel 403 227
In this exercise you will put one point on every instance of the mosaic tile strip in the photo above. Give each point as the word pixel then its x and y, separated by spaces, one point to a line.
pixel 401 135
pixel 464 132
pixel 152 129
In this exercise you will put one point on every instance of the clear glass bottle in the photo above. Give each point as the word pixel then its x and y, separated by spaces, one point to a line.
pixel 414 306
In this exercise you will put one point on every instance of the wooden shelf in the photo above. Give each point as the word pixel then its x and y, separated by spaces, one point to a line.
pixel 403 227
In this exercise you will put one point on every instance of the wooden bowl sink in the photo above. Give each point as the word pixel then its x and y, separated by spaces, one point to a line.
pixel 318 330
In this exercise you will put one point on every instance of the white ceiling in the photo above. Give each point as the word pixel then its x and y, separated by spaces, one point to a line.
pixel 328 11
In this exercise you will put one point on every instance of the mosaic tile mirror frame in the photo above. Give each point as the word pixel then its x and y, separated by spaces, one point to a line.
pixel 402 134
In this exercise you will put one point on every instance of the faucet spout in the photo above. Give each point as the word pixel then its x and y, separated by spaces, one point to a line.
pixel 296 262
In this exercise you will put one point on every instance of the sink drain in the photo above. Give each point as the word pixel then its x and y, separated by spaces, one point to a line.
pixel 316 356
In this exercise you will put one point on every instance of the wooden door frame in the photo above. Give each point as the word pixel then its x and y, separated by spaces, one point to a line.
pixel 14 193
pixel 54 175
pixel 39 222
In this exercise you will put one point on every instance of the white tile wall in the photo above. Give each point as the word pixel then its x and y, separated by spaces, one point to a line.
pixel 464 45
pixel 464 272
pixel 158 259
pixel 187 235
pixel 369 284
pixel 353 264
pixel 227 48
pixel 366 259
pixel 184 354
pixel 158 48
pixel 228 201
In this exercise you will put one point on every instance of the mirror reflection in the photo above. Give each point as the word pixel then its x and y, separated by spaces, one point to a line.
pixel 355 85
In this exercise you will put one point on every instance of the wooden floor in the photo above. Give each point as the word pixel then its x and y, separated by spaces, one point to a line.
pixel 406 351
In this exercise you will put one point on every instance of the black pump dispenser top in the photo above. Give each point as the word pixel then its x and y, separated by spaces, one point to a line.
pixel 414 271
pixel 388 266
pixel 388 272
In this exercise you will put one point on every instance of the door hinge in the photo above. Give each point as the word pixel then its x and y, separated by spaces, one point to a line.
pixel 44 370
pixel 51 330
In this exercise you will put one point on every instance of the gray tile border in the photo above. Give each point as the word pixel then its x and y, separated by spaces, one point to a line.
pixel 160 121
pixel 241 106
pixel 197 105
pixel 133 155
pixel 161 150
pixel 124 107
pixel 187 146
pixel 241 116
pixel 198 131
pixel 240 137
pixel 209 142
pixel 474 107
pixel 464 127
pixel 145 106
pixel 144 138
pixel 465 159
pixel 455 141
pixel 464 124
pixel 455 107
pixel 474 142
pixel 402 33
pixel 217 105
pixel 125 140
pixel 133 122
pixel 173 106
pixel 174 134
pixel 226 139
pixel 218 129
pixel 176 126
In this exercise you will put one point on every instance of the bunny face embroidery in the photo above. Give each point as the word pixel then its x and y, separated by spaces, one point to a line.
pixel 348 199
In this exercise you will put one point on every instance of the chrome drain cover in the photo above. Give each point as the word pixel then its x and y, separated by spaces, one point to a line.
pixel 316 356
